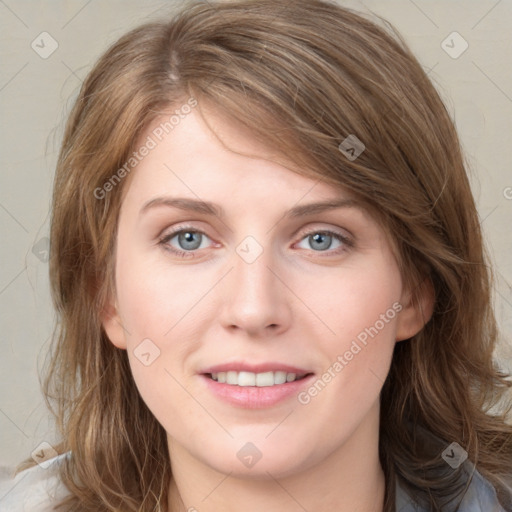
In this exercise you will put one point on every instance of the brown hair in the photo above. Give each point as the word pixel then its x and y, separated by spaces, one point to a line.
pixel 320 73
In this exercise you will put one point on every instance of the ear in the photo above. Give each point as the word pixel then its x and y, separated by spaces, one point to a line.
pixel 112 324
pixel 417 309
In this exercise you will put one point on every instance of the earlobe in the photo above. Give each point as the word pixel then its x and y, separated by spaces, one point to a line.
pixel 113 326
pixel 418 307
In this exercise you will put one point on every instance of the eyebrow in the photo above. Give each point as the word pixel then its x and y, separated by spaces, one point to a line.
pixel 208 208
pixel 319 207
pixel 184 203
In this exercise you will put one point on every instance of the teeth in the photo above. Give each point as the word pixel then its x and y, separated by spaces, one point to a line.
pixel 254 379
pixel 244 379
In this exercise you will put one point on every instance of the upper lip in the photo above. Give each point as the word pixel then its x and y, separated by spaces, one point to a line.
pixel 254 368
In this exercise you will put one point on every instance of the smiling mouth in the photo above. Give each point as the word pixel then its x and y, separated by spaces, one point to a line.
pixel 264 379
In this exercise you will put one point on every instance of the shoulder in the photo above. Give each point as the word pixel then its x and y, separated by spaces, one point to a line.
pixel 479 497
pixel 37 489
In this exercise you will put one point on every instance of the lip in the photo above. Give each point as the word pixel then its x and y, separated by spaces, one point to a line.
pixel 254 397
pixel 254 368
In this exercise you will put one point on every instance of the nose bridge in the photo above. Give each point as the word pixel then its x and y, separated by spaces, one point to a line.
pixel 254 300
pixel 253 278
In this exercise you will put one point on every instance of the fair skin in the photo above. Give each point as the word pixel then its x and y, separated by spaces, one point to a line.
pixel 301 303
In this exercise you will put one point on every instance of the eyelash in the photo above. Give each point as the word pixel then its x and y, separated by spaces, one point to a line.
pixel 164 241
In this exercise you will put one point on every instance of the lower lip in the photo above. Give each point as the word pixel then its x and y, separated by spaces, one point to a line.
pixel 254 397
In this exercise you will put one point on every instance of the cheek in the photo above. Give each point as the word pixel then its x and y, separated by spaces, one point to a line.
pixel 162 312
pixel 164 392
pixel 153 298
pixel 352 300
pixel 158 339
pixel 360 307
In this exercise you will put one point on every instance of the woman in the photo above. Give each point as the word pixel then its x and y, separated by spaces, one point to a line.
pixel 269 272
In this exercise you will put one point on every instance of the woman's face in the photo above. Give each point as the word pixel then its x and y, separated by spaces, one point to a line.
pixel 231 268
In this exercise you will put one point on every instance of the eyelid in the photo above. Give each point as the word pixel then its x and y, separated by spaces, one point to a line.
pixel 165 236
pixel 346 240
pixel 168 234
pixel 343 233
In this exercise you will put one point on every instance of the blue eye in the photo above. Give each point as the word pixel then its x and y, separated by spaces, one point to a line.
pixel 322 241
pixel 189 240
pixel 185 241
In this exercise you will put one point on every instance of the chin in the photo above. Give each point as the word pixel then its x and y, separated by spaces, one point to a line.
pixel 261 460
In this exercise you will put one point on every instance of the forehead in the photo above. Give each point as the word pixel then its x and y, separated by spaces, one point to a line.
pixel 204 154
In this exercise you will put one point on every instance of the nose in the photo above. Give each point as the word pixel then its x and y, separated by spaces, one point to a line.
pixel 254 298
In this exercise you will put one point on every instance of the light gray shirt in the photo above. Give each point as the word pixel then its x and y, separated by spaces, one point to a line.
pixel 479 497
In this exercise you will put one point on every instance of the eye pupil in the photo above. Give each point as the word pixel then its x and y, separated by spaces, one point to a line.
pixel 320 241
pixel 189 240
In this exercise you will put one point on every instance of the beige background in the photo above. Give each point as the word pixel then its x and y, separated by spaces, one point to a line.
pixel 36 94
